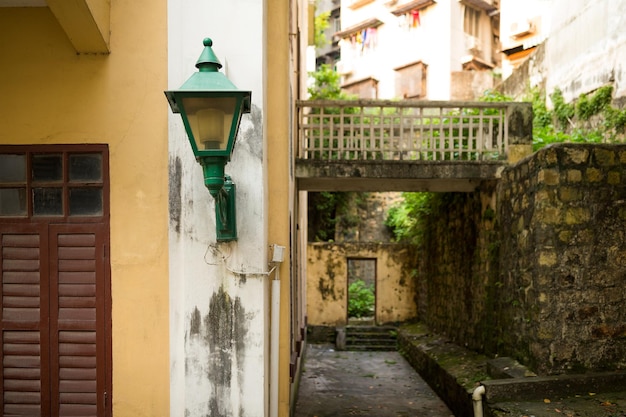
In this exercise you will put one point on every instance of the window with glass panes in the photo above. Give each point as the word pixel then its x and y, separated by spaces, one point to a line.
pixel 42 181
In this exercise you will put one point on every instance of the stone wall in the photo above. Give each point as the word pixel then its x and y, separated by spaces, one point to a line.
pixel 562 291
pixel 456 268
pixel 364 220
pixel 543 277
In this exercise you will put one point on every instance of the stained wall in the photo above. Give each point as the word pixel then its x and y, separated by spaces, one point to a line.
pixel 327 281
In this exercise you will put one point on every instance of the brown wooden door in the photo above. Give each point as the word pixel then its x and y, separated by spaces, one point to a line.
pixel 55 320
pixel 55 301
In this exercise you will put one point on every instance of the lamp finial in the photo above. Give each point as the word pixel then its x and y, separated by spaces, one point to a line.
pixel 208 60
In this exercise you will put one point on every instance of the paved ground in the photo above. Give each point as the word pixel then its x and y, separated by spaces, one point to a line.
pixel 380 384
pixel 584 405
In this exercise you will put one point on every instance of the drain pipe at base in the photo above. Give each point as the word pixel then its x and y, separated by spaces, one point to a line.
pixel 477 399
pixel 276 260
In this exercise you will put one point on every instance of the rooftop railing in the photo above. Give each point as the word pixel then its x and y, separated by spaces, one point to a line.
pixel 407 130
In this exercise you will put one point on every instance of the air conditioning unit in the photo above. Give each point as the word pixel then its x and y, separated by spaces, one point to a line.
pixel 521 29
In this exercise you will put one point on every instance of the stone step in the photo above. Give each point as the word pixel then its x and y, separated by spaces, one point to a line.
pixel 366 338
pixel 371 348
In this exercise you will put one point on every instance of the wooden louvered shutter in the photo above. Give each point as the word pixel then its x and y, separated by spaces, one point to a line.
pixel 24 317
pixel 77 320
pixel 54 321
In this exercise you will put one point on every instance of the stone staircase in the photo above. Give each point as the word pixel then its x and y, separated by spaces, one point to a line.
pixel 366 338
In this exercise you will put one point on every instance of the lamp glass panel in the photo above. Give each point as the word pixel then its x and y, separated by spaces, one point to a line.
pixel 210 119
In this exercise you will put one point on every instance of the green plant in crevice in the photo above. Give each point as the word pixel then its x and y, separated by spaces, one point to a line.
pixel 563 112
pixel 571 122
pixel 361 299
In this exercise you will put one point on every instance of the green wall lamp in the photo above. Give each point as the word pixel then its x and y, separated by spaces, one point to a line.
pixel 211 108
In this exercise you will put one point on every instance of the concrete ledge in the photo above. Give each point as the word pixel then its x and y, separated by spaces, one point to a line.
pixel 450 370
pixel 511 390
pixel 538 388
pixel 436 176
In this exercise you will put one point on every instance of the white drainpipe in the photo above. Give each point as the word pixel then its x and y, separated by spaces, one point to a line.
pixel 477 397
pixel 274 330
pixel 277 258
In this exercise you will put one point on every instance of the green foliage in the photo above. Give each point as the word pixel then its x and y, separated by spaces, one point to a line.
pixel 407 219
pixel 325 210
pixel 494 96
pixel 326 84
pixel 563 112
pixel 321 24
pixel 361 299
pixel 541 115
pixel 587 107
pixel 615 119
pixel 571 122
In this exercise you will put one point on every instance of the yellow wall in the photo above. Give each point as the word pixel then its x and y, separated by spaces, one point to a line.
pixel 52 95
pixel 277 133
pixel 327 282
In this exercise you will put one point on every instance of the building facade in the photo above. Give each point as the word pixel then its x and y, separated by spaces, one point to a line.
pixel 83 223
pixel 418 49
pixel 116 298
pixel 576 47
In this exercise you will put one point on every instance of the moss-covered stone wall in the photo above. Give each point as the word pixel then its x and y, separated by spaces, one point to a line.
pixel 562 286
pixel 535 267
pixel 457 267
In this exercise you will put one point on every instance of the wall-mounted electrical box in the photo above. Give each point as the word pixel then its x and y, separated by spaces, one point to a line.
pixel 278 253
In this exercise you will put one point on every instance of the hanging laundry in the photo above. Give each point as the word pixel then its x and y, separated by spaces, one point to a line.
pixel 415 18
pixel 364 39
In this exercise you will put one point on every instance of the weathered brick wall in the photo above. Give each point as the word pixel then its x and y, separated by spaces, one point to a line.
pixel 562 286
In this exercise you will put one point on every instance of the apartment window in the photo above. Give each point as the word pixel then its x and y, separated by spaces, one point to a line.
pixel 471 21
pixel 367 88
pixel 411 80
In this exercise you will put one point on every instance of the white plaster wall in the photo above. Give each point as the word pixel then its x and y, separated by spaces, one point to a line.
pixel 218 292
pixel 587 46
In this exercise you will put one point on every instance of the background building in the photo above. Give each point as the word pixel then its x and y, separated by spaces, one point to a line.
pixel 424 49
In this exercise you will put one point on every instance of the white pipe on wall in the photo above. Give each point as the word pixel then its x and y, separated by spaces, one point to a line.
pixel 274 344
pixel 477 397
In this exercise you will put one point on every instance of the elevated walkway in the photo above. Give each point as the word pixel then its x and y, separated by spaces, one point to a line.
pixel 411 145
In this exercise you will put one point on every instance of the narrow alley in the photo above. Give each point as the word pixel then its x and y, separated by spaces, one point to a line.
pixel 353 383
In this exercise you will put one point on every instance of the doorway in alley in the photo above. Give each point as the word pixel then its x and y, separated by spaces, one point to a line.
pixel 361 290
